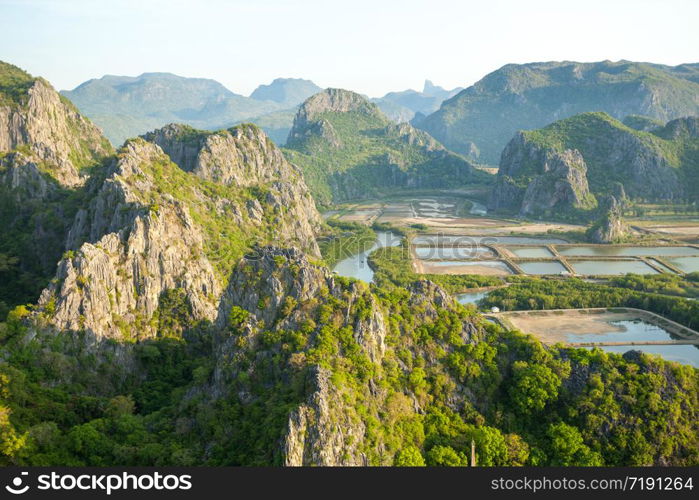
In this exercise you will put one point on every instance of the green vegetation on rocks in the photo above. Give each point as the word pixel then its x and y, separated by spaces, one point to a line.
pixel 14 85
pixel 480 120
pixel 171 334
pixel 609 156
pixel 348 149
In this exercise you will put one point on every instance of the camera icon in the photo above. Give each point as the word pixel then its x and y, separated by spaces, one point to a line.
pixel 16 487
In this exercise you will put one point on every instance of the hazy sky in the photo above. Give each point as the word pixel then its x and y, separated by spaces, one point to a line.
pixel 370 46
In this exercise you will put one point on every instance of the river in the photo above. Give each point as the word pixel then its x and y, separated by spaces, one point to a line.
pixel 357 266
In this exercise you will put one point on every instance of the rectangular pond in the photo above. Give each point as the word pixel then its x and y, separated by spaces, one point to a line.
pixel 434 209
pixel 639 331
pixel 685 354
pixel 611 267
pixel 531 252
pixel 551 267
pixel 572 326
pixel 686 264
pixel 619 251
pixel 486 267
pixel 466 240
pixel 458 253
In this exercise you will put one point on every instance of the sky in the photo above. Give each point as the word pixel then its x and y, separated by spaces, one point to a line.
pixel 369 46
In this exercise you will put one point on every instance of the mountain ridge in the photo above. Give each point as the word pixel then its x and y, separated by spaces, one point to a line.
pixel 659 165
pixel 348 149
pixel 479 120
pixel 128 106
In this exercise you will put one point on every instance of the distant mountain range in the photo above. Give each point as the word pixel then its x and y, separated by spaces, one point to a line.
pixel 125 106
pixel 476 122
pixel 287 92
pixel 128 106
pixel 480 120
pixel 404 106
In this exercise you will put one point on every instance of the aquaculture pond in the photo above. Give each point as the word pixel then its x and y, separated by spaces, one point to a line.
pixel 444 239
pixel 640 331
pixel 611 267
pixel 550 267
pixel 531 252
pixel 621 251
pixel 442 253
pixel 620 327
pixel 434 208
pixel 489 267
pixel 357 265
pixel 686 264
pixel 478 209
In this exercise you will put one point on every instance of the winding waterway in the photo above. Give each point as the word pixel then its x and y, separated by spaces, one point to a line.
pixel 357 266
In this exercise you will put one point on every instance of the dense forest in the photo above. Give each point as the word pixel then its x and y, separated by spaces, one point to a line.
pixel 525 403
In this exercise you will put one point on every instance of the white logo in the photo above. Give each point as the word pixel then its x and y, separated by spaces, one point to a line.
pixel 17 482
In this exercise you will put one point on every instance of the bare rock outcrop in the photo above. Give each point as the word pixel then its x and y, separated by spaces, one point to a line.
pixel 534 180
pixel 321 432
pixel 150 228
pixel 111 284
pixel 52 129
pixel 244 156
pixel 610 228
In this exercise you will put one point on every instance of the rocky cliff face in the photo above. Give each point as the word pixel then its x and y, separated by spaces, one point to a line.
pixel 25 179
pixel 533 180
pixel 610 228
pixel 35 214
pixel 244 156
pixel 52 129
pixel 141 226
pixel 277 293
pixel 321 431
pixel 556 165
pixel 309 121
pixel 241 156
pixel 46 150
pixel 152 227
pixel 266 276
pixel 111 284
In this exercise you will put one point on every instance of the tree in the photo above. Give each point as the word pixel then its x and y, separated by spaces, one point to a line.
pixel 409 457
pixel 534 386
pixel 10 442
pixel 567 447
pixel 491 447
pixel 517 450
pixel 446 456
pixel 120 405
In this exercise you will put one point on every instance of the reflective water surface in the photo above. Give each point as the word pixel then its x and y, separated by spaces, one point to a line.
pixel 609 267
pixel 357 266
